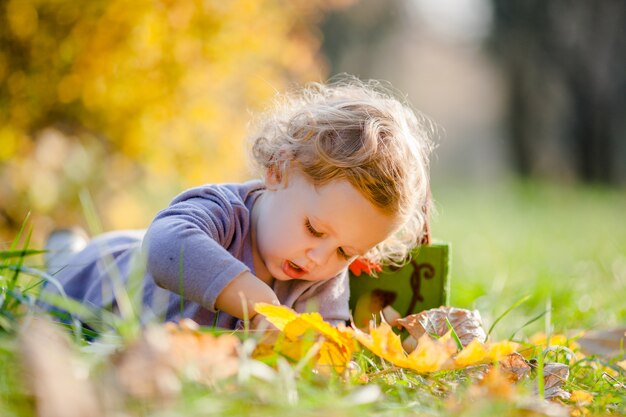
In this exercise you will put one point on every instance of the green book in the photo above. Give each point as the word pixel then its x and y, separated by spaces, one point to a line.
pixel 421 284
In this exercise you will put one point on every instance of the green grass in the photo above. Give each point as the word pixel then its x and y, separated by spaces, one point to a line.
pixel 564 247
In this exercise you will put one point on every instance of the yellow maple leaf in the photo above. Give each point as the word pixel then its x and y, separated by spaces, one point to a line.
pixel 430 355
pixel 339 341
pixel 296 328
pixel 334 356
pixel 279 316
pixel 383 342
pixel 292 349
pixel 302 331
pixel 497 351
pixel 313 321
pixel 386 340
pixel 473 353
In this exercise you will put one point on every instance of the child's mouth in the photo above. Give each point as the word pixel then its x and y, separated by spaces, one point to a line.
pixel 293 270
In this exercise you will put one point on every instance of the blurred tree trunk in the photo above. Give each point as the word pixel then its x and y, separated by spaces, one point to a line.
pixel 565 63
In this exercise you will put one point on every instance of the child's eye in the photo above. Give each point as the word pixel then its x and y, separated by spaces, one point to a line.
pixel 343 254
pixel 312 230
pixel 315 233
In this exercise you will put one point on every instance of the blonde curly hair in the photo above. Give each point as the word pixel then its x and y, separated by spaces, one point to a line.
pixel 356 131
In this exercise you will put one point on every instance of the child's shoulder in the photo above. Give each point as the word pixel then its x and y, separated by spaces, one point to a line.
pixel 230 193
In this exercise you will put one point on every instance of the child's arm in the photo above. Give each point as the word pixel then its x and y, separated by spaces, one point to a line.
pixel 244 288
pixel 186 249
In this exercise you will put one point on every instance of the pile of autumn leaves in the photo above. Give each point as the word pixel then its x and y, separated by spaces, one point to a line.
pixel 335 346
pixel 155 365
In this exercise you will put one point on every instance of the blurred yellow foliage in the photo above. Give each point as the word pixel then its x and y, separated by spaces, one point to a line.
pixel 541 339
pixel 581 398
pixel 137 98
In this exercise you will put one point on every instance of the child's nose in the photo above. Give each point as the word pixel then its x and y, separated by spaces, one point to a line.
pixel 320 254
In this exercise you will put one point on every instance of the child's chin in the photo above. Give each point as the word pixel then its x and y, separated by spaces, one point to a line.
pixel 279 275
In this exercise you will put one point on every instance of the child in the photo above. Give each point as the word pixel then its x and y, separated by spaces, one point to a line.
pixel 345 175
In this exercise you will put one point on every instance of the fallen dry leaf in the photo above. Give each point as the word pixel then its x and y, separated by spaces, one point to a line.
pixel 515 367
pixel 498 384
pixel 201 356
pixel 57 378
pixel 145 370
pixel 607 343
pixel 530 407
pixel 152 367
pixel 467 324
pixel 409 344
pixel 555 376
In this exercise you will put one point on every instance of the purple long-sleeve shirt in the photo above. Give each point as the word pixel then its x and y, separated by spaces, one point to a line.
pixel 191 251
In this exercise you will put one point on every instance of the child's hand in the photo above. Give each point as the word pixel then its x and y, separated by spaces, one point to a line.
pixel 242 293
pixel 270 332
pixel 259 322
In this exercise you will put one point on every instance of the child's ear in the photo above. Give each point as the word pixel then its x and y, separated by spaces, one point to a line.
pixel 276 175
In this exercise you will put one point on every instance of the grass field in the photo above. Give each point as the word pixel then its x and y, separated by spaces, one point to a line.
pixel 565 247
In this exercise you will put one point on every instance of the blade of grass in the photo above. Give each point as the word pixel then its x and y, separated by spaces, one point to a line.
pixel 10 254
pixel 528 323
pixel 459 345
pixel 540 380
pixel 10 302
pixel 89 208
pixel 548 322
pixel 94 318
pixel 44 276
pixel 507 311
pixel 246 316
pixel 19 233
pixel 308 356
pixel 134 292
pixel 123 299
pixel 12 248
pixel 95 228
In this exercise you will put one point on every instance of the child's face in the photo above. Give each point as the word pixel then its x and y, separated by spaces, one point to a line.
pixel 309 233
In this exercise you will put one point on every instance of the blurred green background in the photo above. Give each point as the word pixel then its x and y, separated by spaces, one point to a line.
pixel 134 101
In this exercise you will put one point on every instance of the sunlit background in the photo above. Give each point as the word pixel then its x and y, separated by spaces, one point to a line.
pixel 131 102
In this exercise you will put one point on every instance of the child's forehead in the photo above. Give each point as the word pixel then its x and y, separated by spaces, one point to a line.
pixel 323 192
pixel 341 209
